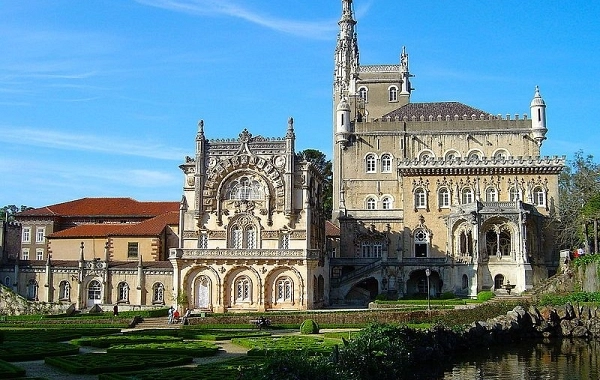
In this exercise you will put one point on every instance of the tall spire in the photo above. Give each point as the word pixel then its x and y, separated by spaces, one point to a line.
pixel 346 53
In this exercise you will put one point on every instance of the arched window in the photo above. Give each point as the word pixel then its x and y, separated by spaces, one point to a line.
pixel 94 290
pixel 237 237
pixel 362 93
pixel 514 194
pixel 425 155
pixel 64 291
pixel 386 203
pixel 421 240
pixel 475 155
pixel 123 289
pixel 501 154
pixel 158 293
pixel 250 237
pixel 539 196
pixel 386 163
pixel 467 195
pixel 370 162
pixel 491 194
pixel 498 243
pixel 420 198
pixel 371 203
pixel 245 188
pixel 465 281
pixel 393 94
pixel 466 243
pixel 32 290
pixel 7 281
pixel 243 289
pixel 451 155
pixel 498 281
pixel 444 197
pixel 284 290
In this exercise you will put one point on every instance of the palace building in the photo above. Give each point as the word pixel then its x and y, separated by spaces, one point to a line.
pixel 436 195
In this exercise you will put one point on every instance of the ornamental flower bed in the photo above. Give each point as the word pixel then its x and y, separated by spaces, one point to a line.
pixel 21 351
pixel 230 369
pixel 264 345
pixel 103 363
pixel 196 349
pixel 10 371
pixel 111 340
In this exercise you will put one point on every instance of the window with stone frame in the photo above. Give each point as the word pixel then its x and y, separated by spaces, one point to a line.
pixel 371 249
pixel 245 188
pixel 284 241
pixel 25 254
pixel 94 290
pixel 123 292
pixel 444 197
pixel 39 234
pixel 386 203
pixel 39 254
pixel 203 240
pixel 32 290
pixel 64 291
pixel 158 293
pixel 420 198
pixel 393 94
pixel 514 194
pixel 491 194
pixel 386 163
pixel 284 290
pixel 421 241
pixel 362 93
pixel 539 196
pixel 371 203
pixel 243 290
pixel 371 163
pixel 467 195
pixel 132 249
pixel 26 235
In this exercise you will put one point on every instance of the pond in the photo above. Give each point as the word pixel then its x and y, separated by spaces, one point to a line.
pixel 558 359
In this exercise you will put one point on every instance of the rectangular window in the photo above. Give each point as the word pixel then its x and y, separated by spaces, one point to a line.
pixel 203 241
pixel 39 234
pixel 284 242
pixel 39 254
pixel 366 250
pixel 377 249
pixel 26 238
pixel 25 254
pixel 132 249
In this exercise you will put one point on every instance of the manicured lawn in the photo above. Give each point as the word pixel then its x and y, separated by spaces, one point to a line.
pixel 117 362
pixel 17 351
pixel 264 345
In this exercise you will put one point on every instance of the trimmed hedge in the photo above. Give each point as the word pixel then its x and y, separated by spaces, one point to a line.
pixel 10 371
pixel 110 340
pixel 13 351
pixel 309 327
pixel 196 349
pixel 229 369
pixel 55 334
pixel 267 345
pixel 92 364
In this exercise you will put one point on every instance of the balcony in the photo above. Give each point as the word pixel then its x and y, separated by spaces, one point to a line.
pixel 280 254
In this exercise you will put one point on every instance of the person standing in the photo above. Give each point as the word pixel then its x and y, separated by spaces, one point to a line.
pixel 171 309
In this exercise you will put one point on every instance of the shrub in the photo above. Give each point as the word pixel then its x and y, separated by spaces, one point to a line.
pixel 447 296
pixel 10 371
pixel 485 295
pixel 381 297
pixel 309 327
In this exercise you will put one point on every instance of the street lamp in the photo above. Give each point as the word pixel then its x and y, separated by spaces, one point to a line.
pixel 428 273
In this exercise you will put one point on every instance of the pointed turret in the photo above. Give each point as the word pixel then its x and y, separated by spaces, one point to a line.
pixel 538 117
pixel 346 54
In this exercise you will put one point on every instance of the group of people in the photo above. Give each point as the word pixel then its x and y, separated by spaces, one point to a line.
pixel 174 316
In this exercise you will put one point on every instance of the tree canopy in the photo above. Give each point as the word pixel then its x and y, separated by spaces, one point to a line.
pixel 7 212
pixel 319 159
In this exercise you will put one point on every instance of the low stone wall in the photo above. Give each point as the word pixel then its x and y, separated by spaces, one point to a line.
pixel 14 304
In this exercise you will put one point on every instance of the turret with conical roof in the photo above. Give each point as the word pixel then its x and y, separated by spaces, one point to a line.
pixel 538 117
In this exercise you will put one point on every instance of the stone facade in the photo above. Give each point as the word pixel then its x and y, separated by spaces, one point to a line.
pixel 252 228
pixel 441 186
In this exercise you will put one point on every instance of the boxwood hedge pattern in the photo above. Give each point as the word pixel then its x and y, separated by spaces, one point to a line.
pixel 196 349
pixel 10 371
pixel 116 362
pixel 55 334
pixel 20 351
pixel 262 346
pixel 111 340
pixel 229 369
pixel 202 334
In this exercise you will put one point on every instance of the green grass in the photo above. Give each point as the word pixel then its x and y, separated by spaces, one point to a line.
pixel 196 349
pixel 54 334
pixel 103 363
pixel 16 351
pixel 202 334
pixel 262 346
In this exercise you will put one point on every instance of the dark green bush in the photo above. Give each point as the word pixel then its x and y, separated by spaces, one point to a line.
pixel 14 351
pixel 553 299
pixel 381 297
pixel 10 371
pixel 485 295
pixel 309 327
pixel 447 296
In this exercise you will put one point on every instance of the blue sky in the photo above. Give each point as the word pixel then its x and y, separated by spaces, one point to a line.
pixel 102 98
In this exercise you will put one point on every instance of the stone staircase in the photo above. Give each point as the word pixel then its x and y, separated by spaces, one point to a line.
pixel 157 323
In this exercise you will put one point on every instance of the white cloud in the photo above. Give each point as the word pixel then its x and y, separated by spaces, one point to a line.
pixel 89 143
pixel 310 29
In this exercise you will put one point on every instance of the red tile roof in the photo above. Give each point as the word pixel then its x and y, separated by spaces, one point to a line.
pixel 149 227
pixel 331 229
pixel 107 207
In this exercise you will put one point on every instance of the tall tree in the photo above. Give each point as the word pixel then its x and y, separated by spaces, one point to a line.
pixel 7 212
pixel 579 191
pixel 319 159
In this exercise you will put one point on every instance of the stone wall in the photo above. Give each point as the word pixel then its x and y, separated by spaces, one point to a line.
pixel 13 304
